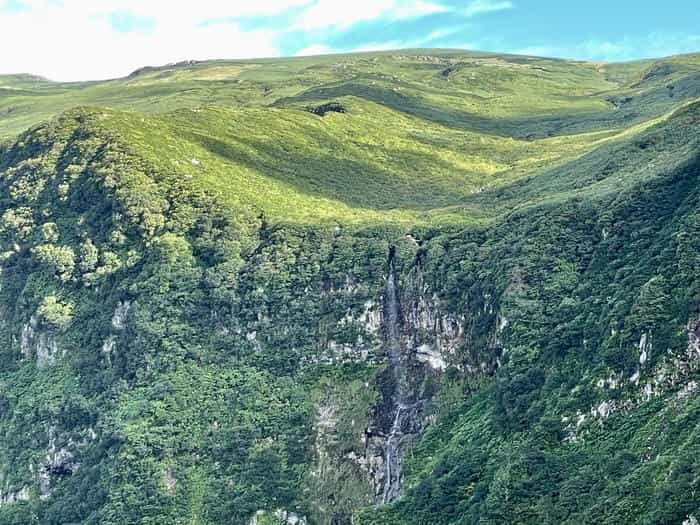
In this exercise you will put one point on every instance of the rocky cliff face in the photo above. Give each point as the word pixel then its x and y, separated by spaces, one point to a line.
pixel 399 414
pixel 407 334
pixel 418 341
pixel 413 338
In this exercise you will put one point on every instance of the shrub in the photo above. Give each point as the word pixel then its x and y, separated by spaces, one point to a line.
pixel 61 259
pixel 54 313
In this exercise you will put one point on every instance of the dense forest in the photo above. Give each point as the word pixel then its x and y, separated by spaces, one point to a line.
pixel 347 291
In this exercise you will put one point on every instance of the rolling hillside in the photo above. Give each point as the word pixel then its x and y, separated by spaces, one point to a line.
pixel 460 123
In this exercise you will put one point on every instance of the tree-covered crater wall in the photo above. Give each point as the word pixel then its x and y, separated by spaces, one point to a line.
pixel 164 358
pixel 167 358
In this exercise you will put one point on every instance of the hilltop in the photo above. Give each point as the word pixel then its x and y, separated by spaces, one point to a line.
pixel 307 138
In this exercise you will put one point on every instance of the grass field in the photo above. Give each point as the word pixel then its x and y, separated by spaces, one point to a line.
pixel 421 133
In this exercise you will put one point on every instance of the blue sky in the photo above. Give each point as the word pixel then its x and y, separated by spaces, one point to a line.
pixel 94 39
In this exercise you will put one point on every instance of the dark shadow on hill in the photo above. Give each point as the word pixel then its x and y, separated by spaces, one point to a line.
pixel 626 108
pixel 671 145
pixel 323 173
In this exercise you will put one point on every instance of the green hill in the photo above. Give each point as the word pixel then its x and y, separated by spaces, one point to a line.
pixel 411 287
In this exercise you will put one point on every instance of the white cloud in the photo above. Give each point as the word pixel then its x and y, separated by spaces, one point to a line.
pixel 71 43
pixel 416 9
pixel 379 46
pixel 383 46
pixel 76 40
pixel 478 7
pixel 333 13
pixel 315 49
pixel 165 10
pixel 626 48
pixel 326 13
pixel 438 34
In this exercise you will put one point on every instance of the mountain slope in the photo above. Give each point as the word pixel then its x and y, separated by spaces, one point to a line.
pixel 497 94
pixel 407 287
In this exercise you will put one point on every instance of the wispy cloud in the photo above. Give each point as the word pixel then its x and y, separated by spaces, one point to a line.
pixel 12 6
pixel 393 24
pixel 315 49
pixel 331 13
pixel 625 48
pixel 485 6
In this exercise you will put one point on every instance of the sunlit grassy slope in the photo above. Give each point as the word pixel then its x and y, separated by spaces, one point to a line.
pixel 424 134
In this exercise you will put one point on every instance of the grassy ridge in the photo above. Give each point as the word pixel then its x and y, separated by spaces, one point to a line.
pixel 422 134
pixel 443 86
